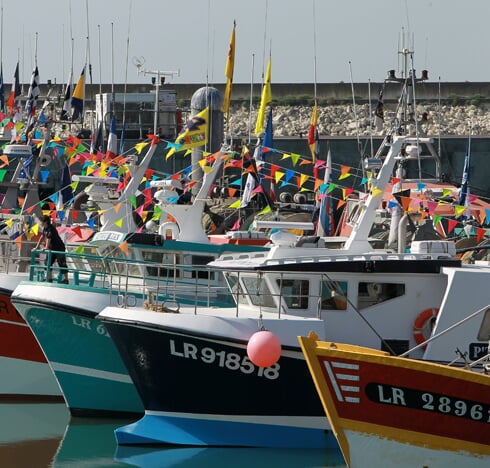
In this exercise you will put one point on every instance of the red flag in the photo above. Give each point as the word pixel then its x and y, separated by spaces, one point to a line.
pixel 14 92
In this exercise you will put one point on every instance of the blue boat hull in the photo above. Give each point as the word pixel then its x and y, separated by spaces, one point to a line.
pixel 155 429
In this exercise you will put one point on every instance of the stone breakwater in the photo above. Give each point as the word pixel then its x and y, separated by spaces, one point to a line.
pixel 341 120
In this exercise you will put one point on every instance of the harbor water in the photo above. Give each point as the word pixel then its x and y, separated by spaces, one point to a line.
pixel 42 435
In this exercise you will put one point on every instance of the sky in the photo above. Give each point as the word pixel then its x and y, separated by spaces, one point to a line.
pixel 322 41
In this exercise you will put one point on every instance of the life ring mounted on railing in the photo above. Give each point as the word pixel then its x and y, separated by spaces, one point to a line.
pixel 421 323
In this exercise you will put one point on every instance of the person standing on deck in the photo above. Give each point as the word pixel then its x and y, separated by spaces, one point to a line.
pixel 52 241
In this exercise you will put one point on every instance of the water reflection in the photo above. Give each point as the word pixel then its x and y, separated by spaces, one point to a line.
pixel 44 436
pixel 226 457
pixel 31 433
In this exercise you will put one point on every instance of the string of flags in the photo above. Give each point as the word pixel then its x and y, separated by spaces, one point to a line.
pixel 98 165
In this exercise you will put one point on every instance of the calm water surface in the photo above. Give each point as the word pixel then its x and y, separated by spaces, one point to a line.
pixel 44 435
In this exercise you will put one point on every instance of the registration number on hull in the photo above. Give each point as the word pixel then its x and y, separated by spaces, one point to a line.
pixel 230 361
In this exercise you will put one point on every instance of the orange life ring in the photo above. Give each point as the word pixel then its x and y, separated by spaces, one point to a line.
pixel 420 322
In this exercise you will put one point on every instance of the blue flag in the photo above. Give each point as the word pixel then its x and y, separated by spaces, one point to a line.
pixel 66 190
pixel 267 142
pixel 466 175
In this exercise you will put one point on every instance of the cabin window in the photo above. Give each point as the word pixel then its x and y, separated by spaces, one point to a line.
pixel 111 256
pixel 373 293
pixel 484 332
pixel 294 292
pixel 164 264
pixel 334 295
pixel 258 291
pixel 235 288
pixel 200 262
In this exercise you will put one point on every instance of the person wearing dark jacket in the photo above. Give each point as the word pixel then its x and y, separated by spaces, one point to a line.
pixel 53 241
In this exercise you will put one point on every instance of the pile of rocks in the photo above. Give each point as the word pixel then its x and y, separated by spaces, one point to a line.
pixel 347 121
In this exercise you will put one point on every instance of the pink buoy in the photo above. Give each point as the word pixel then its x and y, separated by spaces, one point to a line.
pixel 264 348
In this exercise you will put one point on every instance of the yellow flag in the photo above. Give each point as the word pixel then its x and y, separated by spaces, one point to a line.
pixel 266 210
pixel 266 99
pixel 139 146
pixel 194 133
pixel 230 66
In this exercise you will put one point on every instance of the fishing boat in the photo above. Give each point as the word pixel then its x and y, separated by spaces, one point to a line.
pixel 392 411
pixel 27 375
pixel 356 294
pixel 420 186
pixel 139 269
pixel 21 357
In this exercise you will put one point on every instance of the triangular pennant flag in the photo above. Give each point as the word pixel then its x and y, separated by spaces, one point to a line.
pixel 139 146
pixel 344 170
pixel 157 213
pixel 236 225
pixel 266 210
pixel 124 247
pixel 80 249
pixel 340 204
pixel 278 176
pixel 405 203
pixel 289 174
pixel 480 232
pixel 459 210
pixel 302 179
pixel 77 230
pixel 436 220
pixel 44 175
pixel 294 158
pixel 132 200
pixel 451 224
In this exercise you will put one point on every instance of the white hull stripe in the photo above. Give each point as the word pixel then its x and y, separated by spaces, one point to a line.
pixel 345 365
pixel 347 377
pixel 88 372
pixel 19 324
pixel 335 377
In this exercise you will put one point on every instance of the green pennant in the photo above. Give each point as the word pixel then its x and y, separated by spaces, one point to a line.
pixel 132 200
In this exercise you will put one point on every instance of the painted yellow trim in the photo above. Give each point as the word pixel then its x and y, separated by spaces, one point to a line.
pixel 313 349
pixel 362 354
pixel 308 345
